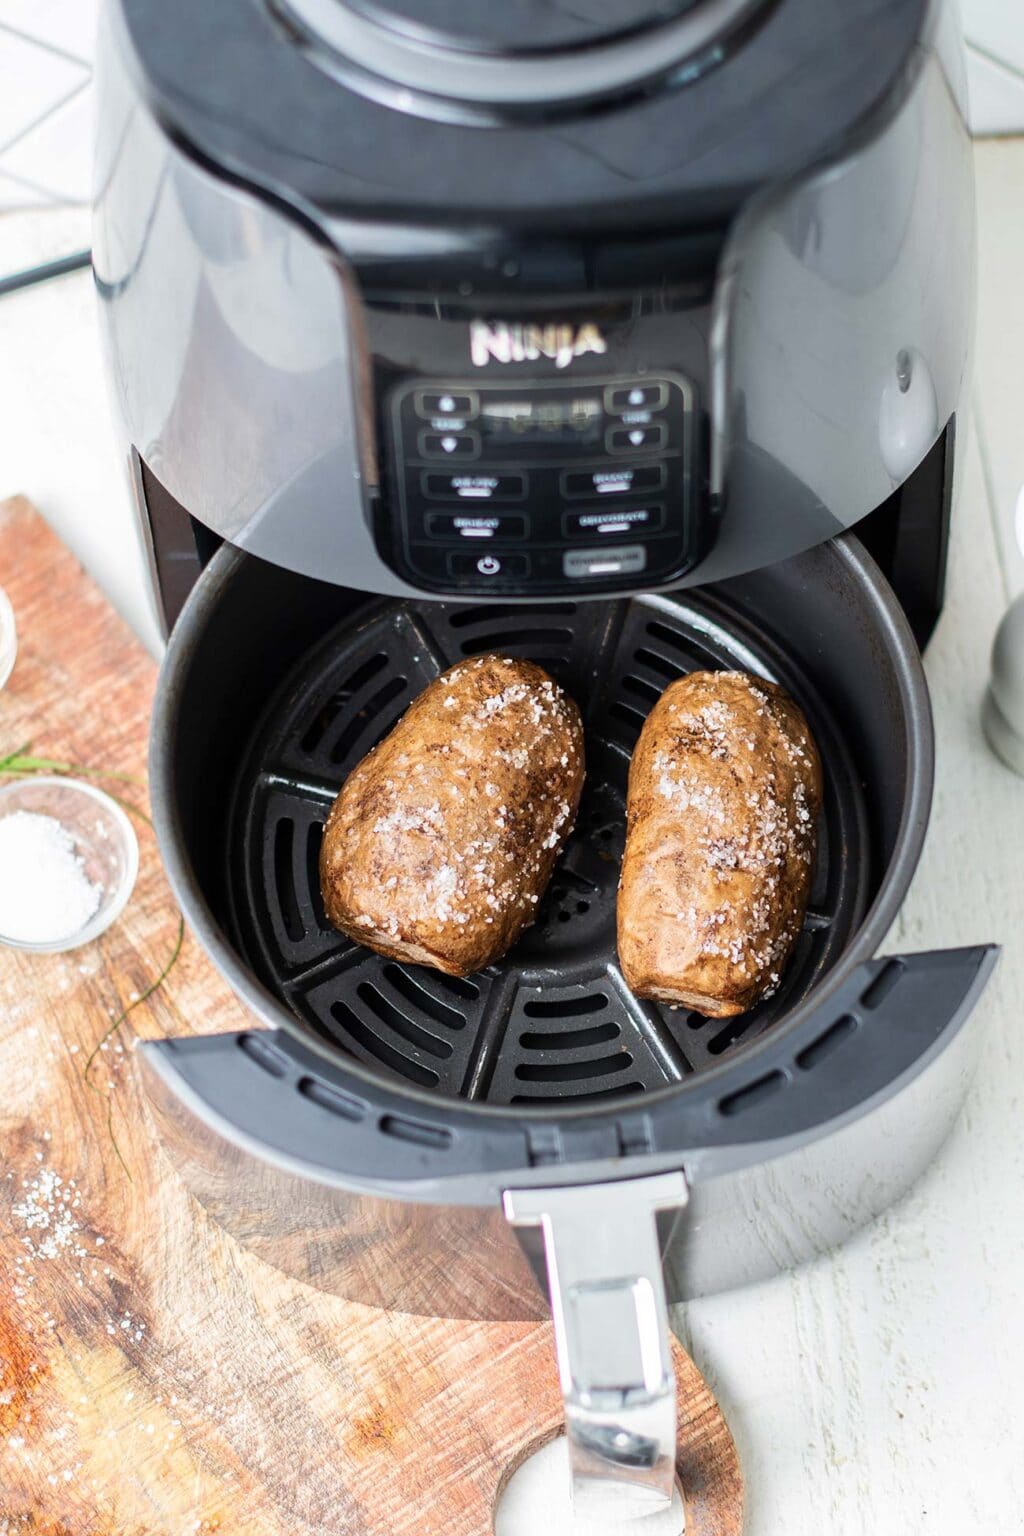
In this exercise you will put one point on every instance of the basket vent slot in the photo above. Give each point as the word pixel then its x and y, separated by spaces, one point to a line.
pixel 642 689
pixel 458 986
pixel 755 1093
pixel 691 647
pixel 633 718
pixel 369 715
pixel 620 1090
pixel 331 1099
pixel 418 997
pixel 734 1030
pixel 878 990
pixel 314 839
pixel 569 1039
pixel 386 1011
pixel 669 670
pixel 417 1131
pixel 328 712
pixel 463 618
pixel 263 1054
pixel 565 1007
pixel 284 876
pixel 371 1044
pixel 572 1070
pixel 533 642
pixel 826 1043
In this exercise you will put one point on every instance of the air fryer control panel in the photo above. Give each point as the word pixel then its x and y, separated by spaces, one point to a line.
pixel 532 487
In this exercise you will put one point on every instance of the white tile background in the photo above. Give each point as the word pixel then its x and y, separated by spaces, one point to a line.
pixel 46 49
pixel 995 64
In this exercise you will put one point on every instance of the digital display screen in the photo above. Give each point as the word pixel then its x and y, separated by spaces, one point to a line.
pixel 574 419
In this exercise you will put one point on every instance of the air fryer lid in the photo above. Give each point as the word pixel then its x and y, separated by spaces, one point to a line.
pixel 261 89
pixel 520 26
pixel 273 685
pixel 521 54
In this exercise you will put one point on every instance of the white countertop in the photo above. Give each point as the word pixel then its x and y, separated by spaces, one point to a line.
pixel 879 1389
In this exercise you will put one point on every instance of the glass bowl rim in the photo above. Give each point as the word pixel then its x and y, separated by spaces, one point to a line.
pixel 113 905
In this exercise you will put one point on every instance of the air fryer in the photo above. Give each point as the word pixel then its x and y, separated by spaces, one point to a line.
pixel 588 338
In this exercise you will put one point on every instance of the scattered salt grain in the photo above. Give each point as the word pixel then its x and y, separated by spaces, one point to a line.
pixel 45 893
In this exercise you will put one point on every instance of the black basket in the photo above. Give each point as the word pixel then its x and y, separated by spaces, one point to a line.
pixel 553 1023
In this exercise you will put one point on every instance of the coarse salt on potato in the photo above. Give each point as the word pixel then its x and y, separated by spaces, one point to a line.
pixel 724 794
pixel 442 840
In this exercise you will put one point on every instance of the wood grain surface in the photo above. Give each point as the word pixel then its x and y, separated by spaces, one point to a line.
pixel 155 1378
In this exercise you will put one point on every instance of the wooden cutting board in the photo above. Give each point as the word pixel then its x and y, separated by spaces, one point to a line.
pixel 154 1377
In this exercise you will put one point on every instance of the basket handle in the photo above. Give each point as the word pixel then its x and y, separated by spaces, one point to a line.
pixel 608 1304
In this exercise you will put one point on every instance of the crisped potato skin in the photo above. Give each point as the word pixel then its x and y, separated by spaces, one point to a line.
pixel 443 839
pixel 724 795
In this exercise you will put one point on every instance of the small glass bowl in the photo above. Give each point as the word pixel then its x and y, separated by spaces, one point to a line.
pixel 104 839
pixel 8 638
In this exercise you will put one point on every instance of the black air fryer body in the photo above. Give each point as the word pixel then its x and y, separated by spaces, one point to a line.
pixel 443 342
pixel 586 334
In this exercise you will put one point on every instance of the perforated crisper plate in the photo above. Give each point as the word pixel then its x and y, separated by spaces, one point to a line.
pixel 553 1023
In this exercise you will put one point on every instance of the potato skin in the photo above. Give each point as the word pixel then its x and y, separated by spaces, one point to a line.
pixel 724 793
pixel 442 840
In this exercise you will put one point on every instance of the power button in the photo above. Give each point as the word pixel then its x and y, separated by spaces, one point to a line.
pixel 510 567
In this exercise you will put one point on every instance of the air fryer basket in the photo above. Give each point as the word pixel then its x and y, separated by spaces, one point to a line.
pixel 387 1111
pixel 275 685
pixel 553 1023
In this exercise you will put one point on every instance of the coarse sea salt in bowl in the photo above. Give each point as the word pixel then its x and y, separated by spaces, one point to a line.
pixel 68 861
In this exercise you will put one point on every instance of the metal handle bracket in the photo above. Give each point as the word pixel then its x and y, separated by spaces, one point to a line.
pixel 611 1334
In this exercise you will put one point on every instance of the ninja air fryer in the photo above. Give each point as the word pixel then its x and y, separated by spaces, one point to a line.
pixel 584 334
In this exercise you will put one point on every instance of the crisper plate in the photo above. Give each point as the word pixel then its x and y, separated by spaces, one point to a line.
pixel 552 1023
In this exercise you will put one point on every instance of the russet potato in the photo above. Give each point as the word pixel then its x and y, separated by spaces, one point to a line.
pixel 442 840
pixel 724 796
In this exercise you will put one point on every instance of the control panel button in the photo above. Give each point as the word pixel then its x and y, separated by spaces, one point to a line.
pixel 609 521
pixel 554 484
pixel 619 398
pixel 511 567
pixel 440 402
pixel 453 525
pixel 467 487
pixel 624 481
pixel 623 560
pixel 449 445
pixel 636 439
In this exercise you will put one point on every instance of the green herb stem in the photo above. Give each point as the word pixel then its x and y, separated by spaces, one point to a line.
pixel 22 764
pixel 142 997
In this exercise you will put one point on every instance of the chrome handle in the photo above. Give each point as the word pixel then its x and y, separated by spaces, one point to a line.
pixel 611 1335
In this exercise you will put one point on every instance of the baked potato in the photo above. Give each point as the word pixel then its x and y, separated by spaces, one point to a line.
pixel 724 794
pixel 442 840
